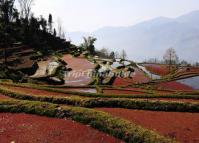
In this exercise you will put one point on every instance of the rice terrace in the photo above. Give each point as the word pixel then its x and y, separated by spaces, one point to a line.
pixel 112 87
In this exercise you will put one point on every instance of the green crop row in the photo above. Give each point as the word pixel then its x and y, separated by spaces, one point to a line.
pixel 108 102
pixel 100 95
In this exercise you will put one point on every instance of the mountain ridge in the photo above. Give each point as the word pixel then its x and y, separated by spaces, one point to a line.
pixel 150 39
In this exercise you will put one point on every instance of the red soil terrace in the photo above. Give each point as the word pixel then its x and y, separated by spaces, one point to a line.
pixel 31 91
pixel 173 85
pixel 182 126
pixel 138 77
pixel 157 69
pixel 79 73
pixel 3 97
pixel 22 128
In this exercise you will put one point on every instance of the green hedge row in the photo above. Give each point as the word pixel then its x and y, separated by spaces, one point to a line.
pixel 99 95
pixel 119 128
pixel 108 102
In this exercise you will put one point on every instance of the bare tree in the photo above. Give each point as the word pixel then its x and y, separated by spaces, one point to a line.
pixel 104 51
pixel 123 54
pixel 61 33
pixel 25 7
pixel 170 57
pixel 117 55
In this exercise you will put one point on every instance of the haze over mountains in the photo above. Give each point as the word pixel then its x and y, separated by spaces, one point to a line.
pixel 151 38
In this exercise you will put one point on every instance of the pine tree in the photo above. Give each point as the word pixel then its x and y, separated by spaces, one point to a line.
pixel 50 23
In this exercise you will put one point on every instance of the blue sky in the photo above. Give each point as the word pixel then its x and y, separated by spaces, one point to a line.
pixel 89 15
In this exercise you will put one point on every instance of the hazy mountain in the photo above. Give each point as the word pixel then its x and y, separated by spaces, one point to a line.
pixel 150 39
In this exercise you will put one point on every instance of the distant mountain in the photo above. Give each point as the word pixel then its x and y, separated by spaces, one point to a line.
pixel 151 38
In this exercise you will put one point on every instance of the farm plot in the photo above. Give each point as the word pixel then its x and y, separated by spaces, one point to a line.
pixel 23 128
pixel 32 91
pixel 80 69
pixel 182 126
pixel 157 69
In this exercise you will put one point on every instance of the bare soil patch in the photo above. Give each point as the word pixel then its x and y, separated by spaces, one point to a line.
pixel 22 128
pixel 138 77
pixel 4 97
pixel 157 69
pixel 31 91
pixel 79 73
pixel 173 86
pixel 182 126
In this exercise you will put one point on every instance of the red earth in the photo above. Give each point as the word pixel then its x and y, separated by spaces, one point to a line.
pixel 182 126
pixel 173 85
pixel 23 128
pixel 157 69
pixel 4 97
pixel 138 77
pixel 31 91
pixel 121 82
pixel 80 69
pixel 136 91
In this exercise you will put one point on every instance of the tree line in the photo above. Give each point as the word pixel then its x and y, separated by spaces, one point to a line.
pixel 20 25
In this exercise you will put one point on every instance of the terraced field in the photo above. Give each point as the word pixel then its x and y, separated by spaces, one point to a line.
pixel 112 114
pixel 25 128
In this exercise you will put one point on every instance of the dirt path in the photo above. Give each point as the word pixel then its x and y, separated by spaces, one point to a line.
pixel 22 128
pixel 182 126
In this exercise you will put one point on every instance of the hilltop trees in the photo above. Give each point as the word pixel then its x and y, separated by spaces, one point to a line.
pixel 25 8
pixel 8 14
pixel 54 32
pixel 105 53
pixel 18 30
pixel 7 11
pixel 89 45
pixel 27 29
pixel 50 23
